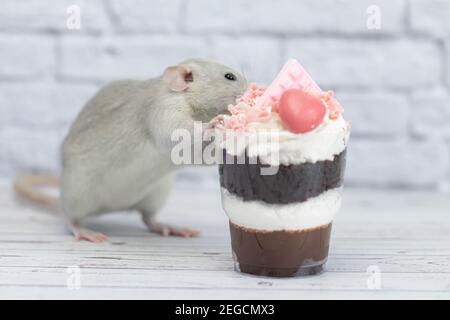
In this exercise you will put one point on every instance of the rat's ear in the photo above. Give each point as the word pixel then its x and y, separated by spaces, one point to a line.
pixel 178 77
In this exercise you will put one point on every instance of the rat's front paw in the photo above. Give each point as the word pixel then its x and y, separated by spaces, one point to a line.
pixel 217 122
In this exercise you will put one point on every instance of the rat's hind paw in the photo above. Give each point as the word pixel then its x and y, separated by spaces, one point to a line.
pixel 167 230
pixel 88 235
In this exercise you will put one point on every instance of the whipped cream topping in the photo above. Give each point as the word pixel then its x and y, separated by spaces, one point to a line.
pixel 275 145
pixel 259 215
pixel 260 132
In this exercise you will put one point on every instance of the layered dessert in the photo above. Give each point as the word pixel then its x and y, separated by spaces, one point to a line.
pixel 284 151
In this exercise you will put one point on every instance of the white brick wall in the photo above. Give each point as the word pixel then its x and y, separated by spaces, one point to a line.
pixel 261 60
pixel 18 63
pixel 431 17
pixel 398 163
pixel 290 16
pixel 364 63
pixel 35 105
pixel 30 150
pixel 381 115
pixel 394 82
pixel 143 15
pixel 447 63
pixel 49 15
pixel 431 114
pixel 141 56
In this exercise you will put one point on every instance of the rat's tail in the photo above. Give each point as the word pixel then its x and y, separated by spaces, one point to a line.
pixel 26 186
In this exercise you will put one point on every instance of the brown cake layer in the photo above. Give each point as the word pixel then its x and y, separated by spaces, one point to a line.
pixel 280 253
pixel 292 183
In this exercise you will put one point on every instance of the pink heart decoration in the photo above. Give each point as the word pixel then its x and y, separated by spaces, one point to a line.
pixel 301 112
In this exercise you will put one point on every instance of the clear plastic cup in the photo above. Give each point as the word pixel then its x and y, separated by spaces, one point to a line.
pixel 280 225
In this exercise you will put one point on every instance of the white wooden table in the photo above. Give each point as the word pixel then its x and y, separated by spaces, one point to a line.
pixel 404 236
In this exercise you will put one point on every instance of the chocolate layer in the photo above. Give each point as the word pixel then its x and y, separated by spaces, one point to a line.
pixel 280 253
pixel 293 183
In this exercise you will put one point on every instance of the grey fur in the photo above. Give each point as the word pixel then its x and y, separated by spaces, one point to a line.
pixel 117 153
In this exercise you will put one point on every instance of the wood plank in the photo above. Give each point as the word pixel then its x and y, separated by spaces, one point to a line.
pixel 405 234
pixel 105 277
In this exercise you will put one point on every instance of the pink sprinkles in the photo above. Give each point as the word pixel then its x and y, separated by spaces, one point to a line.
pixel 245 111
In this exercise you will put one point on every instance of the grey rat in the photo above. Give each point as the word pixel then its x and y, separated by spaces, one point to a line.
pixel 116 155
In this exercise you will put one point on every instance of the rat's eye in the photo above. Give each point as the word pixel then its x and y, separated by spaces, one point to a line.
pixel 230 76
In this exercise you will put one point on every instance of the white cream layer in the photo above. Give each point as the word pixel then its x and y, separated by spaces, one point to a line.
pixel 274 145
pixel 259 215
